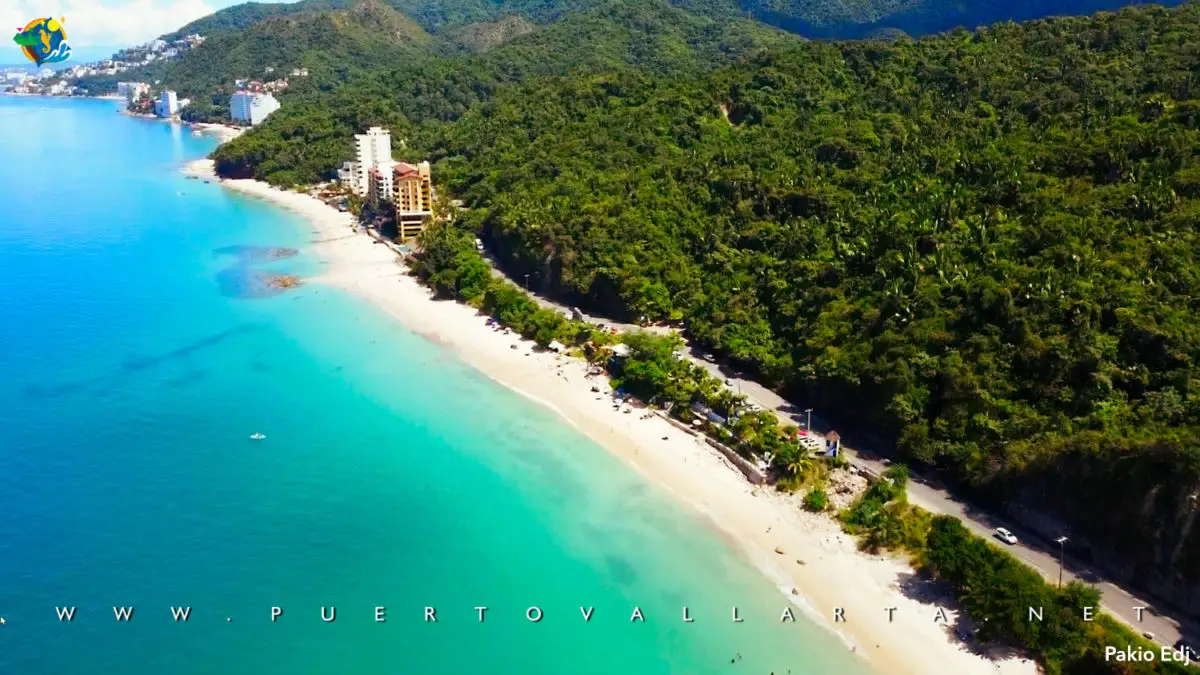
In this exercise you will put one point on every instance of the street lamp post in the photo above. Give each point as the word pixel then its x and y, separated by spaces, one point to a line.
pixel 1061 557
pixel 808 419
pixel 526 282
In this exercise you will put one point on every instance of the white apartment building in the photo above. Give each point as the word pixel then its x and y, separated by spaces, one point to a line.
pixel 168 104
pixel 348 174
pixel 379 184
pixel 373 150
pixel 250 107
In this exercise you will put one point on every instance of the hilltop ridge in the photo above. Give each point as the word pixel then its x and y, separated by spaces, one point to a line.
pixel 810 18
pixel 979 246
pixel 332 44
pixel 651 37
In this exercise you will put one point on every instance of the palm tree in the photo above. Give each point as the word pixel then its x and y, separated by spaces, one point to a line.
pixel 799 462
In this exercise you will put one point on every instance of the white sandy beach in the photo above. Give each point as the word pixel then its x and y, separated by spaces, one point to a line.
pixel 819 561
pixel 223 132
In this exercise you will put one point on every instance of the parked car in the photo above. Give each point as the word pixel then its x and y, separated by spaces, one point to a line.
pixel 1005 536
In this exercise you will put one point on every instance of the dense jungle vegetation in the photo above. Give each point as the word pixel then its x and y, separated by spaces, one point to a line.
pixel 995 589
pixel 979 245
pixel 484 23
pixel 313 133
pixel 811 18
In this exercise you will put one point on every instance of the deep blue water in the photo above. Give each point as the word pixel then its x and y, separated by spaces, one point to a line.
pixel 137 354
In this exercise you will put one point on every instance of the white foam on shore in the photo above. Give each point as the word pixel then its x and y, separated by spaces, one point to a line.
pixel 834 573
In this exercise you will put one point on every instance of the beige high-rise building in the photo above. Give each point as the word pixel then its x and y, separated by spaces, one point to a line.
pixel 412 191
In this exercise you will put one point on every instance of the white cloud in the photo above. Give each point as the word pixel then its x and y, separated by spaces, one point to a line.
pixel 119 23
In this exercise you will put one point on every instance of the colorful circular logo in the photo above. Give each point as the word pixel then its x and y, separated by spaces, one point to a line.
pixel 44 41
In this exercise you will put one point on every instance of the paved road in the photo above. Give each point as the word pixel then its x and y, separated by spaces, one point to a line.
pixel 550 304
pixel 1037 553
pixel 1041 555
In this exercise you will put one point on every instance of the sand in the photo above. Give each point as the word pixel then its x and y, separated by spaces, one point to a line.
pixel 223 132
pixel 820 568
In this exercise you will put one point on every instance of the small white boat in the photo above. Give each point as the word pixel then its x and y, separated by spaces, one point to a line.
pixel 258 437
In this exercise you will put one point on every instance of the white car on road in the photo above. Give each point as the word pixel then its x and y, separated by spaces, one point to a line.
pixel 1005 536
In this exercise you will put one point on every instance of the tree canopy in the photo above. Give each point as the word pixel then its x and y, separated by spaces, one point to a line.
pixel 978 245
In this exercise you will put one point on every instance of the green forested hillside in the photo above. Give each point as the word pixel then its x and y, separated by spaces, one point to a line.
pixel 980 245
pixel 811 18
pixel 333 45
pixel 478 25
pixel 247 14
pixel 862 18
pixel 312 135
pixel 484 35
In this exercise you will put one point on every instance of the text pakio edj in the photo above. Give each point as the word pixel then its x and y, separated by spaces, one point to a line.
pixel 535 614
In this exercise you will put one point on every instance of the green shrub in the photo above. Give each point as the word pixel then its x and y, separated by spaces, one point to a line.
pixel 816 500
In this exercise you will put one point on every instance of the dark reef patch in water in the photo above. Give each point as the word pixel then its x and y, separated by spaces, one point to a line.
pixel 621 570
pixel 248 283
pixel 243 280
pixel 102 385
pixel 154 360
pixel 249 255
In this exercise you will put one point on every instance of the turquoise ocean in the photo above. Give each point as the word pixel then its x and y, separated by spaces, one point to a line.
pixel 138 352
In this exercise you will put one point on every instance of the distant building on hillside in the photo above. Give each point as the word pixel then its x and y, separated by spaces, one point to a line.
pixel 248 107
pixel 373 150
pixel 168 104
pixel 412 190
pixel 132 91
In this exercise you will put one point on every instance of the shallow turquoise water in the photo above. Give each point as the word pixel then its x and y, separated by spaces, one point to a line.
pixel 135 360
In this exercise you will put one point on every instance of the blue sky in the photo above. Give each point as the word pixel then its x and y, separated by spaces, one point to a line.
pixel 96 27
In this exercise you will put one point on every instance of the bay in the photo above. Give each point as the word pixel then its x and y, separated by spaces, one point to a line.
pixel 139 351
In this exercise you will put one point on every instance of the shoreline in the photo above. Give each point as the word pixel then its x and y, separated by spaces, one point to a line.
pixel 798 551
pixel 223 132
pixel 101 97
